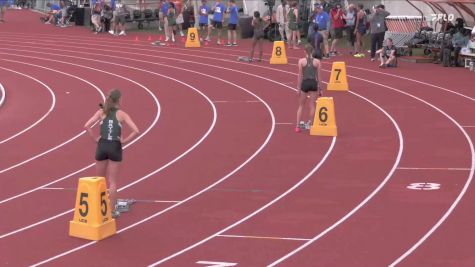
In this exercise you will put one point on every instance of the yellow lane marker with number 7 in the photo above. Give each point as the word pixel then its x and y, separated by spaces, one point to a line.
pixel 338 80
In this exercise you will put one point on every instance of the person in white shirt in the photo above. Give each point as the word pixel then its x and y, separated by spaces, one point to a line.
pixel 281 18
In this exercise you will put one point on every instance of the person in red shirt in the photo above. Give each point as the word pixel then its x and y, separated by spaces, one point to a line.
pixel 338 26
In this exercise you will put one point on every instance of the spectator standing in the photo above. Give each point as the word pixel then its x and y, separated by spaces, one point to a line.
pixel 180 8
pixel 292 18
pixel 378 28
pixel 350 19
pixel 164 11
pixel 120 17
pixel 338 25
pixel 218 19
pixel 322 19
pixel 96 17
pixel 281 18
pixel 3 9
pixel 232 24
pixel 203 22
pixel 360 30
pixel 171 17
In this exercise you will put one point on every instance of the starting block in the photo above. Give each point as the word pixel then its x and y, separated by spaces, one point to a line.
pixel 123 205
pixel 92 214
pixel 278 53
pixel 324 123
pixel 192 38
pixel 338 80
pixel 245 59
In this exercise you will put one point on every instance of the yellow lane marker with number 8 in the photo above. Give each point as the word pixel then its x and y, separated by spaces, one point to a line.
pixel 278 53
pixel 192 38
pixel 92 213
pixel 324 123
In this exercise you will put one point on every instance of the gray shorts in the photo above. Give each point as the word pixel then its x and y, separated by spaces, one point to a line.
pixel 120 19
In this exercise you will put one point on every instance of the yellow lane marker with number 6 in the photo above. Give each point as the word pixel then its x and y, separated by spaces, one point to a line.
pixel 192 38
pixel 92 213
pixel 278 53
pixel 338 80
pixel 324 123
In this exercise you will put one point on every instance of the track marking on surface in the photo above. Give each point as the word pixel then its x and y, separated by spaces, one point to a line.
pixel 455 93
pixel 64 143
pixel 264 237
pixel 2 91
pixel 58 188
pixel 132 44
pixel 444 217
pixel 228 69
pixel 271 132
pixel 470 178
pixel 84 168
pixel 53 103
pixel 468 126
pixel 433 169
pixel 284 123
pixel 141 179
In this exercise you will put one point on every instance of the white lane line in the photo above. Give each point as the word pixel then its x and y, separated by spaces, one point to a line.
pixel 132 45
pixel 266 141
pixel 272 202
pixel 90 165
pixel 53 103
pixel 284 123
pixel 141 179
pixel 67 141
pixel 348 76
pixel 57 188
pixel 2 91
pixel 264 237
pixel 433 169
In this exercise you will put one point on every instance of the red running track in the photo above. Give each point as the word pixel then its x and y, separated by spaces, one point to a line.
pixel 250 183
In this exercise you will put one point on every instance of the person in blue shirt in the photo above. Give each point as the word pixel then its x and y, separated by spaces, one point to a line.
pixel 203 22
pixel 218 19
pixel 54 11
pixel 322 19
pixel 232 24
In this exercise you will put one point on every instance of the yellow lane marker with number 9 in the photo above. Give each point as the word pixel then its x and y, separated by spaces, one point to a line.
pixel 92 213
pixel 192 38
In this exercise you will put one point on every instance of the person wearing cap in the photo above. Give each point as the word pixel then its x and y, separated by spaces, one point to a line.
pixel 378 28
pixel 109 142
pixel 322 19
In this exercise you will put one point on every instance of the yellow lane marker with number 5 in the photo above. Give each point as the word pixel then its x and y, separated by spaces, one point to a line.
pixel 92 213
pixel 324 123
pixel 192 38
pixel 338 80
pixel 278 53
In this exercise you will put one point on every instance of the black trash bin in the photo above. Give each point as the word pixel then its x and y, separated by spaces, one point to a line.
pixel 246 28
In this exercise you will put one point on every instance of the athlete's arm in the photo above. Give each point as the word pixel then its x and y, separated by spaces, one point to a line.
pixel 96 117
pixel 127 120
pixel 299 79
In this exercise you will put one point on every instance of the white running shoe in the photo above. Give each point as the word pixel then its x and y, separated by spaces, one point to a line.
pixel 111 32
pixel 182 34
pixel 122 33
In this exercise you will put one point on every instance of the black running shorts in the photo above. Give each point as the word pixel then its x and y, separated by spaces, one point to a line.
pixel 109 150
pixel 309 86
